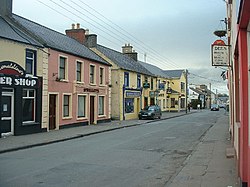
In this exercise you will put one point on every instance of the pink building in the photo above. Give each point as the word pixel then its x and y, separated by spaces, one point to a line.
pixel 78 80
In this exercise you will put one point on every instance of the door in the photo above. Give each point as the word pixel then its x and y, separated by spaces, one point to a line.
pixel 52 112
pixel 92 110
pixel 145 102
pixel 7 110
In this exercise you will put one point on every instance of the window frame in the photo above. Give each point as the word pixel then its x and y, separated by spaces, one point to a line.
pixel 103 106
pixel 85 106
pixel 81 71
pixel 139 81
pixel 126 79
pixel 69 106
pixel 65 68
pixel 34 62
pixel 34 102
pixel 101 76
pixel 94 74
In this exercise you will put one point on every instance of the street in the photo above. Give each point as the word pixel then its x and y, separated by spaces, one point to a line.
pixel 145 155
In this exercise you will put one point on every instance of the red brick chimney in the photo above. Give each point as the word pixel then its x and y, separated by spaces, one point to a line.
pixel 76 33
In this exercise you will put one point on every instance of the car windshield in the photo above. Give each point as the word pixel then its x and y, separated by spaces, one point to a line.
pixel 149 108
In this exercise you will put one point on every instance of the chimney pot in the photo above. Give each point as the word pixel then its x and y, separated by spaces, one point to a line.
pixel 87 32
pixel 73 26
pixel 78 25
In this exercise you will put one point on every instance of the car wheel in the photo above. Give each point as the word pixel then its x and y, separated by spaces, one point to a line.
pixel 159 117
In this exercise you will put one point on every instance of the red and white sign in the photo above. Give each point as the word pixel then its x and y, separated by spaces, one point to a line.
pixel 220 53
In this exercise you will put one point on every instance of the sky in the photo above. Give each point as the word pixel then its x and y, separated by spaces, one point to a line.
pixel 171 34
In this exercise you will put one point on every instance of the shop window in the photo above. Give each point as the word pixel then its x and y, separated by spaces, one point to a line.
pixel 182 102
pixel 172 102
pixel 92 74
pixel 81 106
pixel 79 71
pixel 101 105
pixel 126 79
pixel 30 62
pixel 66 105
pixel 29 107
pixel 101 76
pixel 129 105
pixel 138 81
pixel 62 68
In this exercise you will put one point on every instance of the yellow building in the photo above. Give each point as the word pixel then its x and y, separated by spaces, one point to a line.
pixel 131 84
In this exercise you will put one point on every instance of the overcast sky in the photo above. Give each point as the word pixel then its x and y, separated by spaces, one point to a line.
pixel 174 34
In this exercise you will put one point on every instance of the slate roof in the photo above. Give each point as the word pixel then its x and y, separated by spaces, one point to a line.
pixel 197 91
pixel 11 32
pixel 123 61
pixel 174 73
pixel 154 70
pixel 58 41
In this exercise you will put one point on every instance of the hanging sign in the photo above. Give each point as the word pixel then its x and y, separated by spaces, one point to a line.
pixel 220 53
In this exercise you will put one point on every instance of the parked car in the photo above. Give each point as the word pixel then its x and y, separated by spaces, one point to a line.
pixel 150 112
pixel 215 107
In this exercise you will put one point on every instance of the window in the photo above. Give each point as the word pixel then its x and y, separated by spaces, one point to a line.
pixel 126 79
pixel 29 106
pixel 152 83
pixel 172 102
pixel 129 105
pixel 81 106
pixel 182 86
pixel 66 106
pixel 146 79
pixel 101 105
pixel 183 102
pixel 30 63
pixel 79 71
pixel 62 68
pixel 92 74
pixel 138 81
pixel 102 76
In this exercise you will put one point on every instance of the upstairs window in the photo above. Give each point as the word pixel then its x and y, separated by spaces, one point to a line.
pixel 152 83
pixel 79 71
pixel 126 79
pixel 101 76
pixel 182 86
pixel 62 68
pixel 92 74
pixel 30 62
pixel 138 81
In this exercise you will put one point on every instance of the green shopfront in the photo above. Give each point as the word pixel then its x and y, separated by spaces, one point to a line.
pixel 20 101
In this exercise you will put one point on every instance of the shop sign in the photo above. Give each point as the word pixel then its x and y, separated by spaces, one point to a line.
pixel 220 53
pixel 17 81
pixel 133 94
pixel 11 68
pixel 91 90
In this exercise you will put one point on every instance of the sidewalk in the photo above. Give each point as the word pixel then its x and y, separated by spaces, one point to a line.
pixel 208 165
pixel 13 143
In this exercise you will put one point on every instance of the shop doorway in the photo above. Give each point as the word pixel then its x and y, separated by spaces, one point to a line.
pixel 52 112
pixel 92 110
pixel 7 110
pixel 145 102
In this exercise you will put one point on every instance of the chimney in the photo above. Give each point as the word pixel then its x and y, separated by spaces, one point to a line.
pixel 128 50
pixel 6 8
pixel 91 40
pixel 76 33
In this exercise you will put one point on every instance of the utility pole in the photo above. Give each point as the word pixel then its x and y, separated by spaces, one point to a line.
pixel 186 88
pixel 210 99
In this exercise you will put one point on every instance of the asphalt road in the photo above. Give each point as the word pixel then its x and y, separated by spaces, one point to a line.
pixel 146 155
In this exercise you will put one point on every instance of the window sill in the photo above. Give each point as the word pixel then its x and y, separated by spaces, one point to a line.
pixel 81 118
pixel 79 82
pixel 30 123
pixel 62 80
pixel 66 118
pixel 92 84
pixel 101 116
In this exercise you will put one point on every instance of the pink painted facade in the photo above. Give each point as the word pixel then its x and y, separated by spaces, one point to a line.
pixel 93 109
pixel 239 38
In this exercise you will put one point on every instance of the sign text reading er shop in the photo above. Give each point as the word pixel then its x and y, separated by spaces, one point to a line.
pixel 220 53
pixel 17 81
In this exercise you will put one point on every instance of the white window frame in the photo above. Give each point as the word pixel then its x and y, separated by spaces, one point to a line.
pixel 85 107
pixel 103 76
pixel 82 71
pixel 104 102
pixel 70 106
pixel 94 76
pixel 31 97
pixel 66 67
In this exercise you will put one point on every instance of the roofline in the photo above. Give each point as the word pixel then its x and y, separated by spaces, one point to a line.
pixel 27 43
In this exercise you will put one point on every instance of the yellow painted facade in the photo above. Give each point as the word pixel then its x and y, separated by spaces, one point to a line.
pixel 15 52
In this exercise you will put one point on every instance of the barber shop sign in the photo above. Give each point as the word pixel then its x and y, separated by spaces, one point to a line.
pixel 12 74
